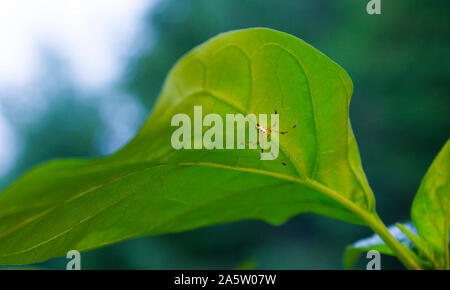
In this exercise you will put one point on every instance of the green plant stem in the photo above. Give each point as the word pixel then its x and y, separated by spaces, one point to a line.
pixel 374 222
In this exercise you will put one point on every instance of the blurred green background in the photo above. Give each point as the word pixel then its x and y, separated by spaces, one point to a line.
pixel 399 62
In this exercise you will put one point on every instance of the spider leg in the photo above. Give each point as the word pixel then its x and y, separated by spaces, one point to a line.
pixel 285 132
pixel 282 163
pixel 271 153
pixel 276 112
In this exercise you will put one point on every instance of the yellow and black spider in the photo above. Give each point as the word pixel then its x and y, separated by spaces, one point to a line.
pixel 267 131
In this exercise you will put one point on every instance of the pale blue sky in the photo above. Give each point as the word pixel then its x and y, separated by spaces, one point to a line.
pixel 93 38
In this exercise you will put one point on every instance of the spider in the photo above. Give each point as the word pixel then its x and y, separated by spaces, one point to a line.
pixel 267 131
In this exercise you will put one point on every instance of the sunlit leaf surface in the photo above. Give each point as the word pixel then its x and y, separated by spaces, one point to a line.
pixel 431 208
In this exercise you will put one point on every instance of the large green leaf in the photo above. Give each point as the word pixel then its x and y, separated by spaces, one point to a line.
pixel 431 209
pixel 148 188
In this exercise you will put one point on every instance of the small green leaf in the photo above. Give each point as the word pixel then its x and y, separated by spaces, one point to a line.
pixel 431 208
pixel 149 188
pixel 374 242
pixel 250 264
pixel 423 250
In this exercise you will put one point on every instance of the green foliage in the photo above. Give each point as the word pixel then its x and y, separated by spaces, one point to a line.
pixel 148 188
pixel 428 236
pixel 431 210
